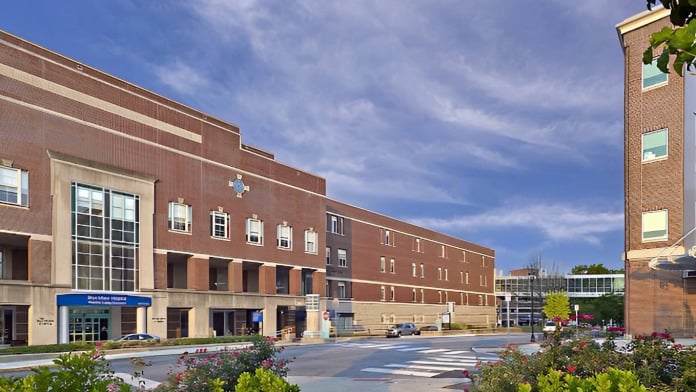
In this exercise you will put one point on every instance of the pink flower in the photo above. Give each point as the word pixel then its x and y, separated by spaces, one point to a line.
pixel 111 388
pixel 98 344
pixel 571 368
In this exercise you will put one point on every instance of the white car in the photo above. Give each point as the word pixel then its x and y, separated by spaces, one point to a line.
pixel 550 326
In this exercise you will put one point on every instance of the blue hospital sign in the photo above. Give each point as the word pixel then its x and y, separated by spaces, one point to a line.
pixel 256 317
pixel 102 299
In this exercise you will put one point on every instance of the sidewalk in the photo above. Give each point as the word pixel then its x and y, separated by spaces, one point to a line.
pixel 343 384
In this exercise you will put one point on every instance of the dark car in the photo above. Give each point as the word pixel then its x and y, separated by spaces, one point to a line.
pixel 138 337
pixel 427 328
pixel 402 329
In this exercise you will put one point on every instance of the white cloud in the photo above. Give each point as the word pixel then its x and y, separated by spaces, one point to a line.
pixel 558 222
pixel 181 77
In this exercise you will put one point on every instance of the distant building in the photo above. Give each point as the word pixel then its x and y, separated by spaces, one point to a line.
pixel 123 211
pixel 659 185
pixel 518 286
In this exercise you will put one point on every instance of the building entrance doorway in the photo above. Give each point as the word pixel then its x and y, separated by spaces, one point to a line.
pixel 89 324
pixel 6 323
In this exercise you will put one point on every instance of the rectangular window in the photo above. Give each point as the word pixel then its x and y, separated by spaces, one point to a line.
pixel 310 241
pixel 382 264
pixel 439 296
pixel 413 295
pixel 2 265
pixel 328 289
pixel 652 76
pixel 336 224
pixel 14 186
pixel 466 278
pixel 105 239
pixel 254 231
pixel 392 267
pixel 219 224
pixel 439 273
pixel 180 217
pixel 480 297
pixel 422 268
pixel 480 280
pixel 655 225
pixel 387 237
pixel 443 251
pixel 446 274
pixel 461 276
pixel 392 296
pixel 342 258
pixel 654 145
pixel 284 236
pixel 382 293
pixel 341 290
pixel 422 296
pixel 328 255
pixel 417 244
pixel 413 269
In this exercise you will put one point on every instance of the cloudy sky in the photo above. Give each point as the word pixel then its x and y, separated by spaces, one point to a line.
pixel 499 122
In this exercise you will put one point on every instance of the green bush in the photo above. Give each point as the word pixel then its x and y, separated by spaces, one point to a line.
pixel 612 381
pixel 87 372
pixel 196 373
pixel 264 380
pixel 458 326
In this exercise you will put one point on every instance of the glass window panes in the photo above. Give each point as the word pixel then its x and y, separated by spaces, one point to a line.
pixel 254 231
pixel 219 224
pixel 284 237
pixel 180 216
pixel 655 225
pixel 652 76
pixel 342 258
pixel 310 241
pixel 654 145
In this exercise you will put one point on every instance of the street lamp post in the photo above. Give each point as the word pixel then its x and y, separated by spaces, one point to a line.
pixel 532 277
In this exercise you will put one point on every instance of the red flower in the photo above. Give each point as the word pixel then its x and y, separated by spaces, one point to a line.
pixel 465 373
pixel 571 368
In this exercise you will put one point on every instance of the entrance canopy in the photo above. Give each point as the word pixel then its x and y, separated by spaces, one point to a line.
pixel 103 299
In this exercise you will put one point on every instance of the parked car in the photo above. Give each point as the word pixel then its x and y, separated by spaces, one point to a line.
pixel 427 328
pixel 550 326
pixel 141 337
pixel 402 329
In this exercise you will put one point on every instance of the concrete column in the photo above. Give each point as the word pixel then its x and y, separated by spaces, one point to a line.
pixel 197 276
pixel 235 282
pixel 63 320
pixel 319 283
pixel 38 263
pixel 141 320
pixel 160 271
pixel 198 323
pixel 267 280
pixel 295 281
pixel 269 320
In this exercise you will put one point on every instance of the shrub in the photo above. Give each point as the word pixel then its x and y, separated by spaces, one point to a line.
pixel 226 366
pixel 613 380
pixel 264 380
pixel 76 372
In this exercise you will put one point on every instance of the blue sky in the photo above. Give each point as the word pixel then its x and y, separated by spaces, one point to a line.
pixel 498 122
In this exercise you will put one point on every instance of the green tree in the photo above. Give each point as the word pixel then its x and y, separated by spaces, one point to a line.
pixel 609 307
pixel 557 306
pixel 678 42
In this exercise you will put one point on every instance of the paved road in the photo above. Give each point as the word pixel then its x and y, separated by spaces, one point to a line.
pixel 373 364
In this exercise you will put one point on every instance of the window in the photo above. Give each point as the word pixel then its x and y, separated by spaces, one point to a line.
pixel 392 296
pixel 328 255
pixel 439 273
pixel 439 296
pixel 417 244
pixel 254 231
pixel 480 299
pixel 461 298
pixel 284 236
pixel 413 269
pixel 392 267
pixel 443 251
pixel 105 239
pixel 413 295
pixel 654 145
pixel 464 256
pixel 328 289
pixel 342 258
pixel 382 293
pixel 652 76
pixel 466 278
pixel 2 266
pixel 219 224
pixel 387 237
pixel 382 264
pixel 461 276
pixel 180 216
pixel 422 270
pixel 655 225
pixel 446 274
pixel 310 241
pixel 14 186
pixel 341 290
pixel 480 280
pixel 422 296
pixel 336 224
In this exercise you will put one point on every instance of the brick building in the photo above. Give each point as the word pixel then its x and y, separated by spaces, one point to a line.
pixel 660 173
pixel 122 211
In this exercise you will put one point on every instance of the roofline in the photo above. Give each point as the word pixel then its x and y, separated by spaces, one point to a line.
pixel 639 20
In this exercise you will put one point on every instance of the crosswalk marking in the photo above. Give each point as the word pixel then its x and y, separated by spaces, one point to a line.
pixel 412 349
pixel 435 350
pixel 137 382
pixel 459 358
pixel 463 363
pixel 458 352
pixel 393 347
pixel 401 372
pixel 423 367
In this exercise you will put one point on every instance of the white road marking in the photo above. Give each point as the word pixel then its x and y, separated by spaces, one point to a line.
pixel 401 372
pixel 137 382
pixel 435 350
pixel 412 349
pixel 424 367
pixel 393 347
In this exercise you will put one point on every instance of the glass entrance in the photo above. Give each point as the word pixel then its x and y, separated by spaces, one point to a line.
pixel 6 324
pixel 89 324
